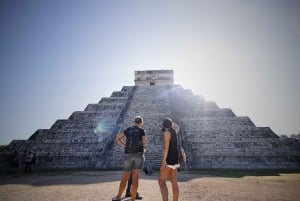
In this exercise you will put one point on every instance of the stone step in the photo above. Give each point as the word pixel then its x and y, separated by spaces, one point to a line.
pixel 202 122
pixel 113 100
pixel 86 116
pixel 64 124
pixel 39 134
pixel 228 132
pixel 119 94
pixel 197 112
pixel 101 107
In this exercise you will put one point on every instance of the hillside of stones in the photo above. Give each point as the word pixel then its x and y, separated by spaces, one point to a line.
pixel 212 136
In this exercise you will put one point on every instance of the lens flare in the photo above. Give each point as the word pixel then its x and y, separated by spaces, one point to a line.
pixel 100 130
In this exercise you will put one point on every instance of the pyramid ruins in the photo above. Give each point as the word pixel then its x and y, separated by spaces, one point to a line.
pixel 213 137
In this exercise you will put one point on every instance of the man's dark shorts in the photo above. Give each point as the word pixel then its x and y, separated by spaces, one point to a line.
pixel 134 161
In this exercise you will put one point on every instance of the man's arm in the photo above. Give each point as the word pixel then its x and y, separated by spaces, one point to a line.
pixel 175 127
pixel 120 141
pixel 183 154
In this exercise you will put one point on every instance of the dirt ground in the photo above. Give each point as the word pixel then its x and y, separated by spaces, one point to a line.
pixel 103 185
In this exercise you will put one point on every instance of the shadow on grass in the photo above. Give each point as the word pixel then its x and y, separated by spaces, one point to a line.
pixel 61 176
pixel 47 177
pixel 238 173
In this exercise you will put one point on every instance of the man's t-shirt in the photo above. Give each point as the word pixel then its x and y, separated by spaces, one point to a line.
pixel 134 140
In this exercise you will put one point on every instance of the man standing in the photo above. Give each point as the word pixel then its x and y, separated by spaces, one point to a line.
pixel 28 162
pixel 134 158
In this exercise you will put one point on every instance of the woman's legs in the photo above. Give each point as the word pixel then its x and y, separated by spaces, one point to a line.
pixel 175 187
pixel 164 173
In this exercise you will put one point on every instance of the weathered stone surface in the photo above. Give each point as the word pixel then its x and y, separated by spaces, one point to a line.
pixel 212 136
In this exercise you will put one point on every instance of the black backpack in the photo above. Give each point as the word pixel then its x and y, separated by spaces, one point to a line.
pixel 134 141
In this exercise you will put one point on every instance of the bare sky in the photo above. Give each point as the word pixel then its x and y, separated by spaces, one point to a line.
pixel 56 57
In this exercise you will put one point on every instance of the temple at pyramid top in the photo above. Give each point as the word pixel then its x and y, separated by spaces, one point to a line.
pixel 153 77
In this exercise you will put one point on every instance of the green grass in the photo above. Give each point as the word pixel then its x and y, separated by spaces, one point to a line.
pixel 237 173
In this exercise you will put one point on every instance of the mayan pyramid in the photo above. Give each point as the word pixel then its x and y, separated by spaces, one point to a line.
pixel 213 137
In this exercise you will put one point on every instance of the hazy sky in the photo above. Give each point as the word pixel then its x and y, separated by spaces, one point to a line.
pixel 58 56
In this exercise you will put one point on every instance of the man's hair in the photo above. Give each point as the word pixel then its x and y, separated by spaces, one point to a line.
pixel 138 120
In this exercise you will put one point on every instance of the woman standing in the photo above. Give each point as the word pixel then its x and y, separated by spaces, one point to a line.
pixel 170 160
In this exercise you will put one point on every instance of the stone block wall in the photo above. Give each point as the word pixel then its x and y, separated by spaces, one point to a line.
pixel 153 77
pixel 216 138
pixel 80 140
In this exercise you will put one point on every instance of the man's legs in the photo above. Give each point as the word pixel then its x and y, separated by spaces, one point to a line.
pixel 127 173
pixel 139 159
pixel 26 167
pixel 123 182
pixel 29 167
pixel 164 173
pixel 128 189
pixel 135 183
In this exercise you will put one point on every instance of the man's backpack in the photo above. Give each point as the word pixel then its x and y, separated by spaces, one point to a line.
pixel 134 141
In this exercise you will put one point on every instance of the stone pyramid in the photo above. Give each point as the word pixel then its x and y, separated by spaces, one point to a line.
pixel 213 137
